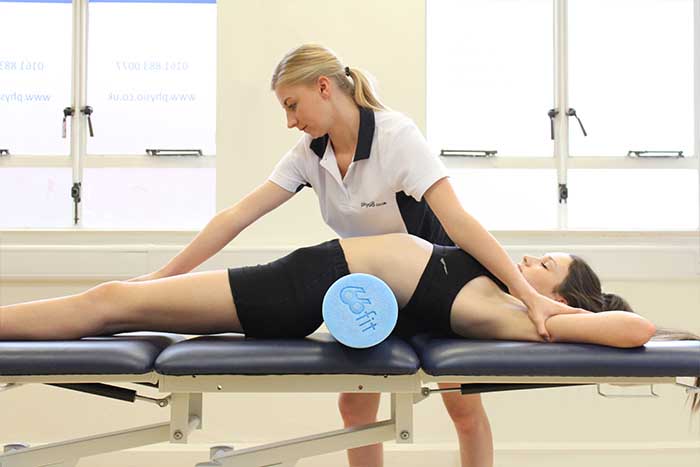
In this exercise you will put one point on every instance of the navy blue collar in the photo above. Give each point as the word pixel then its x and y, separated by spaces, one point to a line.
pixel 364 137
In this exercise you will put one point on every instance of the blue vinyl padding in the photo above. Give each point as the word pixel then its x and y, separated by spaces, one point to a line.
pixel 316 354
pixel 464 357
pixel 228 354
pixel 125 354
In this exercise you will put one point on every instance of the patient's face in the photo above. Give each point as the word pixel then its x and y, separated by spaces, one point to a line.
pixel 545 273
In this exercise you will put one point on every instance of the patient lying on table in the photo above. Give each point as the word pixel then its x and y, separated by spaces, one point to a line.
pixel 439 289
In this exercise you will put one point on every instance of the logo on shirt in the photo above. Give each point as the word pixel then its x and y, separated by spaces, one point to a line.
pixel 372 204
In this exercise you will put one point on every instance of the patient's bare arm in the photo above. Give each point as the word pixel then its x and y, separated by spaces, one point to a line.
pixel 495 316
pixel 613 328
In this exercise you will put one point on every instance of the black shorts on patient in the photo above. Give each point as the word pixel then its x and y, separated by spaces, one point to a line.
pixel 284 298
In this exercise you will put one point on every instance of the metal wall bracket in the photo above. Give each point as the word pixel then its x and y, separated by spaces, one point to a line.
pixel 487 153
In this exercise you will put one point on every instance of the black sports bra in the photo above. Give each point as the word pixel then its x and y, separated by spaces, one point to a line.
pixel 448 270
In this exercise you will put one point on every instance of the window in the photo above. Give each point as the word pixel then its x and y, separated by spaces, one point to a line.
pixel 156 84
pixel 35 197
pixel 133 197
pixel 152 89
pixel 487 90
pixel 521 197
pixel 624 67
pixel 631 81
pixel 35 77
pixel 633 199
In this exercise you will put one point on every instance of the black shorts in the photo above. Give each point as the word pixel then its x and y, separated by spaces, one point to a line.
pixel 284 298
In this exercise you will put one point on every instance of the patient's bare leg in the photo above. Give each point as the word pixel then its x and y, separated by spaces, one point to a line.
pixel 198 303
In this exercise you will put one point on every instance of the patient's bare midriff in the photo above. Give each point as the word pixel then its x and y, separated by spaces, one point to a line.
pixel 397 259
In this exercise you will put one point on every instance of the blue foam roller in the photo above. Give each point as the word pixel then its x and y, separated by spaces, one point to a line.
pixel 360 310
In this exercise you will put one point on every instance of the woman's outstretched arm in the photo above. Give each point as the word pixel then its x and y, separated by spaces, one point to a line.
pixel 223 228
pixel 489 318
pixel 614 328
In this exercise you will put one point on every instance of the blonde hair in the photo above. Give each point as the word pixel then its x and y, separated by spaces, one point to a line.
pixel 306 63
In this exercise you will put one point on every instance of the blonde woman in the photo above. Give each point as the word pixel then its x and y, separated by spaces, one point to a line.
pixel 373 174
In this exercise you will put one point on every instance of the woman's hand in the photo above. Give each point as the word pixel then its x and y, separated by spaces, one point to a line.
pixel 541 308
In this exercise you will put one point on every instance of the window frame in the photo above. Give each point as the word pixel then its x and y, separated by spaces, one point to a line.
pixel 78 158
pixel 561 160
pixel 561 163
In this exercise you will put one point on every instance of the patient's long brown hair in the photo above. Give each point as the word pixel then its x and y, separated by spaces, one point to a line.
pixel 581 288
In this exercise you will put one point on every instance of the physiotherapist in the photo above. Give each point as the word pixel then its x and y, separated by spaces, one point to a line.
pixel 373 173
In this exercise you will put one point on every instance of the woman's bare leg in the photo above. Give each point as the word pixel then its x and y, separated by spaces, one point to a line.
pixel 473 428
pixel 359 409
pixel 197 303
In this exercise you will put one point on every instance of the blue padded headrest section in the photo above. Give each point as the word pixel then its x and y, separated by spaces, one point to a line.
pixel 316 354
pixel 449 356
pixel 124 354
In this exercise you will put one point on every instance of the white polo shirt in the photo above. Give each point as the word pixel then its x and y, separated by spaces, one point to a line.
pixel 382 191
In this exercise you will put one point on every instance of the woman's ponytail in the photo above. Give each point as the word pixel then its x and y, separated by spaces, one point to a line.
pixel 363 93
pixel 306 63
